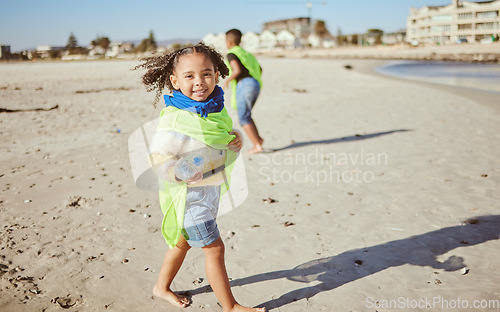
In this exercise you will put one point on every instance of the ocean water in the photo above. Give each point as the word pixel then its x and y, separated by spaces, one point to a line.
pixel 480 76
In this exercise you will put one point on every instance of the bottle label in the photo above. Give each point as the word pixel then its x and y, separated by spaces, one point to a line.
pixel 198 161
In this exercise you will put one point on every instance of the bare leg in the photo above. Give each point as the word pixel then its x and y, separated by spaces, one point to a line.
pixel 215 268
pixel 253 135
pixel 171 265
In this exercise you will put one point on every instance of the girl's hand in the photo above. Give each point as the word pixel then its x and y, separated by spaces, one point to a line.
pixel 196 178
pixel 236 144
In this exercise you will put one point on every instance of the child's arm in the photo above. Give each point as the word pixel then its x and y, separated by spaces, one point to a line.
pixel 235 72
pixel 236 144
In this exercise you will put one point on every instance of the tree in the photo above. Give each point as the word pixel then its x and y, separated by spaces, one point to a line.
pixel 72 43
pixel 102 42
pixel 320 29
pixel 54 54
pixel 339 36
pixel 375 35
pixel 148 44
pixel 152 41
pixel 355 39
pixel 72 46
pixel 176 46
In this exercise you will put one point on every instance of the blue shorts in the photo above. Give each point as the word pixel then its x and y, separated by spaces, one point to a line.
pixel 247 91
pixel 202 205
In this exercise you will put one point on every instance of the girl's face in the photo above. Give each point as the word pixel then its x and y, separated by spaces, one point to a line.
pixel 195 76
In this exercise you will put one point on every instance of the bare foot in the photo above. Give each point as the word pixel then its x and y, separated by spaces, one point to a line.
pixel 261 141
pixel 170 296
pixel 257 149
pixel 238 308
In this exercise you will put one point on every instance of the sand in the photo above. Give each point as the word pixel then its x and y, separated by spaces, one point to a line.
pixel 372 182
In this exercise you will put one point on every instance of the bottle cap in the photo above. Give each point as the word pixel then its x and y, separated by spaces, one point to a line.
pixel 197 160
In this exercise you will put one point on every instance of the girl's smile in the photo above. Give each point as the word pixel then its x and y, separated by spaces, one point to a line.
pixel 195 76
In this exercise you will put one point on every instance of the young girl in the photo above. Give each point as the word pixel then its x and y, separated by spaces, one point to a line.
pixel 193 128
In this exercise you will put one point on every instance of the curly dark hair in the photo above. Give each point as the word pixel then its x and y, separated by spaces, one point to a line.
pixel 160 67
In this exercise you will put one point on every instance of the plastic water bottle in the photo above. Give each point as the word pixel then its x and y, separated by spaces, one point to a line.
pixel 188 166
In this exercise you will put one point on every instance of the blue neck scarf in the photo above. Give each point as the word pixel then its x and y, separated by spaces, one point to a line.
pixel 213 104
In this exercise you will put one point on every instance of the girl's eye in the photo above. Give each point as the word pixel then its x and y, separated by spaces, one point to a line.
pixel 208 74
pixel 189 76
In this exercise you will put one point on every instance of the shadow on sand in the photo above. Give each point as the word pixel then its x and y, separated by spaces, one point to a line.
pixel 37 109
pixel 420 250
pixel 355 137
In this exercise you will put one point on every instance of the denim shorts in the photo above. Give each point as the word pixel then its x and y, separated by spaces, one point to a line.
pixel 247 91
pixel 202 205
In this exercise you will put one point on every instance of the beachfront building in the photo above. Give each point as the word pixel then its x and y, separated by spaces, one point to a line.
pixel 460 21
pixel 282 34
pixel 250 41
pixel 316 41
pixel 217 41
pixel 268 40
pixel 117 48
pixel 47 51
pixel 4 52
pixel 397 37
pixel 208 39
pixel 300 26
pixel 287 40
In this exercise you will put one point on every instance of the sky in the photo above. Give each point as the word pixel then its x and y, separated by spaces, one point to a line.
pixel 29 23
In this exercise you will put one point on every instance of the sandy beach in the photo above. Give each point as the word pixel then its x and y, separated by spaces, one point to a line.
pixel 381 194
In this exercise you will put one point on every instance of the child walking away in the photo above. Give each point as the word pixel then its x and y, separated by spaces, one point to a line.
pixel 192 152
pixel 245 81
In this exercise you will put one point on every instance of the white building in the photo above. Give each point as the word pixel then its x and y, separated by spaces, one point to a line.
pixel 268 40
pixel 300 26
pixel 250 41
pixel 460 20
pixel 316 42
pixel 287 40
pixel 209 39
pixel 217 41
pixel 394 38
pixel 114 49
pixel 96 51
pixel 45 51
